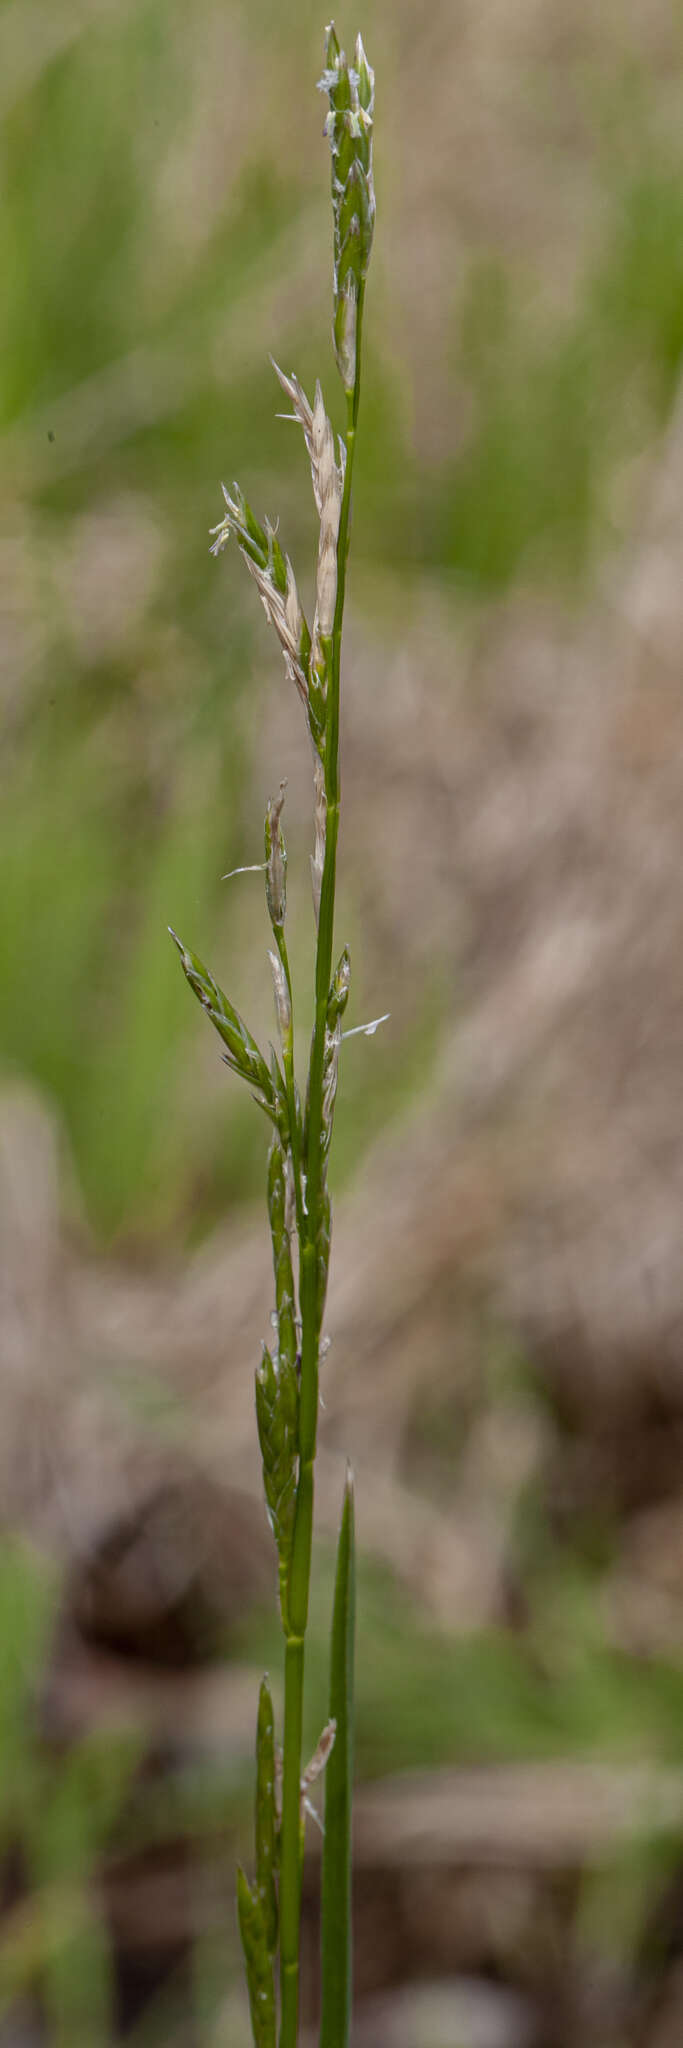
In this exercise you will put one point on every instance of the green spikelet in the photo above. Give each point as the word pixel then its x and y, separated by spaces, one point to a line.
pixel 266 1834
pixel 276 1417
pixel 339 990
pixel 259 543
pixel 243 1054
pixel 351 93
pixel 323 1252
pixel 276 862
pixel 284 1277
pixel 258 1962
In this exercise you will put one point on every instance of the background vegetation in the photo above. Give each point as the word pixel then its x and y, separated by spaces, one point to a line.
pixel 164 224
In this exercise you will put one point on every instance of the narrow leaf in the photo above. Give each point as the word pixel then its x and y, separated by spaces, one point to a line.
pixel 336 1870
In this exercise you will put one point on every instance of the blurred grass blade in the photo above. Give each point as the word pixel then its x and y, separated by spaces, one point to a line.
pixel 336 1872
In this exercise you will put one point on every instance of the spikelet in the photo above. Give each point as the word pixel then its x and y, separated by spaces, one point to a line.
pixel 274 578
pixel 324 1241
pixel 276 861
pixel 259 1967
pixel 264 1816
pixel 330 484
pixel 277 1386
pixel 336 1005
pixel 321 1753
pixel 330 1077
pixel 283 1001
pixel 278 1207
pixel 351 93
pixel 277 1440
pixel 318 436
pixel 318 854
pixel 339 990
pixel 243 1054
pixel 314 1770
pixel 327 473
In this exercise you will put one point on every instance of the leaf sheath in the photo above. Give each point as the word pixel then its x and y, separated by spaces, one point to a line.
pixel 336 1870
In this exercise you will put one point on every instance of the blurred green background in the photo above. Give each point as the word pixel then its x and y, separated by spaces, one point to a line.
pixel 164 226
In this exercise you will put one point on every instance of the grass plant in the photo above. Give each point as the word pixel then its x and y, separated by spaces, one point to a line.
pixel 299 1207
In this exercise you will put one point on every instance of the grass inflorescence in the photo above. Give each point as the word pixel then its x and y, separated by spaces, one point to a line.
pixel 299 1205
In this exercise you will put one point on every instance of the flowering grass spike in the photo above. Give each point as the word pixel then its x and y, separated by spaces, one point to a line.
pixel 299 1204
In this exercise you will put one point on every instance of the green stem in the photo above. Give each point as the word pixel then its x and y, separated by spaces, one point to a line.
pixel 290 1844
pixel 290 1837
pixel 323 965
